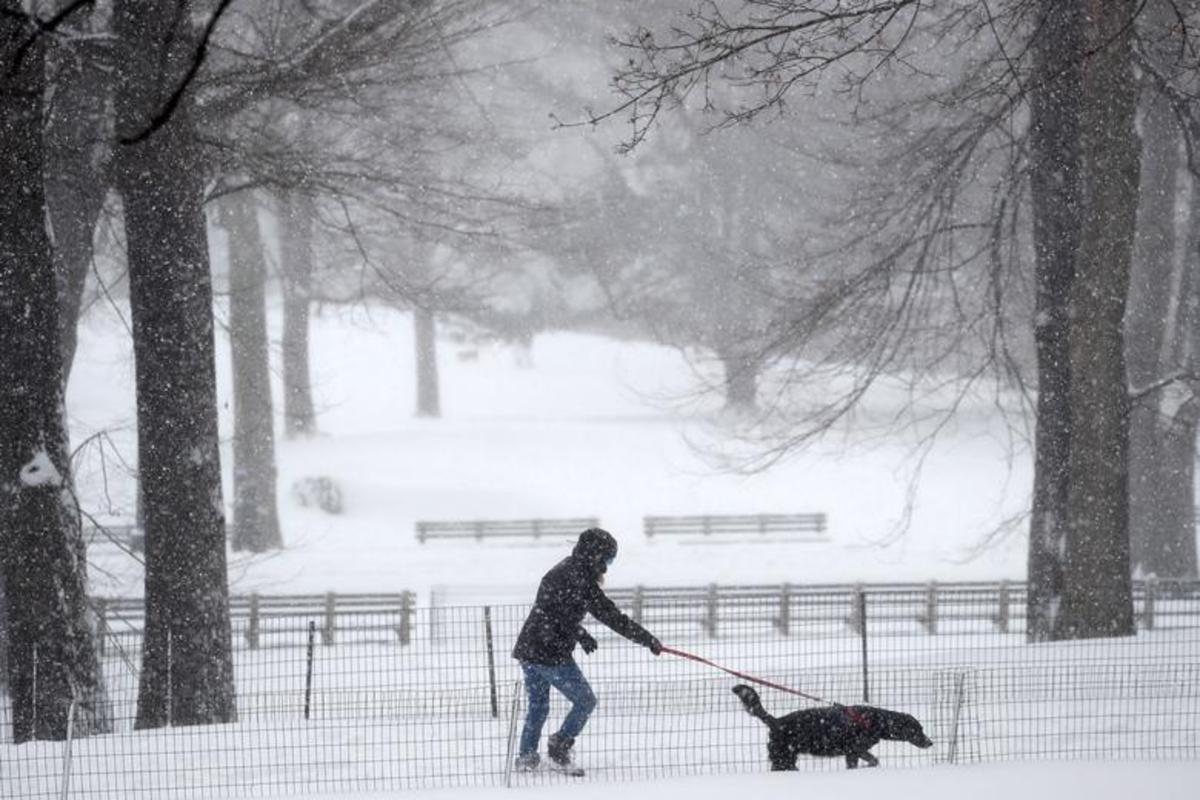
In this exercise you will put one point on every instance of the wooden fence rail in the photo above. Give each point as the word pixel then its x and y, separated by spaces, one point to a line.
pixel 791 609
pixel 933 607
pixel 282 614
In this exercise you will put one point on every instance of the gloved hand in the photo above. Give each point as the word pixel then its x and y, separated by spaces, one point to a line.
pixel 587 642
pixel 655 646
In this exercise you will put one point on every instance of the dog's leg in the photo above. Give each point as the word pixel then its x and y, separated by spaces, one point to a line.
pixel 851 761
pixel 871 760
pixel 781 756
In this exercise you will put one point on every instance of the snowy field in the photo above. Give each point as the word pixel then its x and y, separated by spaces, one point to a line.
pixel 614 430
pixel 1093 780
pixel 595 428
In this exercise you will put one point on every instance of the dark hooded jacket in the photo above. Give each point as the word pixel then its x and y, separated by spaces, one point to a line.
pixel 568 592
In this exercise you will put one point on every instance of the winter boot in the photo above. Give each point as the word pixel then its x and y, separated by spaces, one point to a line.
pixel 527 762
pixel 558 747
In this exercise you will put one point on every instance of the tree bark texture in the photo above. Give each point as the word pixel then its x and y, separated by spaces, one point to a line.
pixel 52 662
pixel 1158 328
pixel 187 671
pixel 298 215
pixel 3 634
pixel 1056 194
pixel 1097 597
pixel 78 151
pixel 255 510
pixel 428 401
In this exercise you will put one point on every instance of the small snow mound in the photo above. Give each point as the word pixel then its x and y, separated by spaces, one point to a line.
pixel 40 471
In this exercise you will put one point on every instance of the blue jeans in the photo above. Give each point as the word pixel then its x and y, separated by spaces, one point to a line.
pixel 567 679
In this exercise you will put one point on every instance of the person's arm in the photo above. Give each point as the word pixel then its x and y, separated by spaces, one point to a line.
pixel 585 639
pixel 604 610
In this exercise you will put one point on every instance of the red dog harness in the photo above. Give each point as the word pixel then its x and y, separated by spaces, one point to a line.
pixel 857 718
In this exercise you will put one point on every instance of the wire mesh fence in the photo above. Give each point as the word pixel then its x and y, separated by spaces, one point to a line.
pixel 373 693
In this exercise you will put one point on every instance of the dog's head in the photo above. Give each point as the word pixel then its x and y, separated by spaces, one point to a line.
pixel 902 727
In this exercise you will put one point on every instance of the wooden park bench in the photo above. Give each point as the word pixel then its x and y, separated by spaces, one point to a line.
pixel 807 527
pixel 128 537
pixel 481 529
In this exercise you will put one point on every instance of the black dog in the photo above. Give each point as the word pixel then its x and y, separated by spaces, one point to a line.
pixel 849 731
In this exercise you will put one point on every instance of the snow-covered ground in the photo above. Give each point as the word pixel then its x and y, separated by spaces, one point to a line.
pixel 595 427
pixel 1095 780
pixel 607 429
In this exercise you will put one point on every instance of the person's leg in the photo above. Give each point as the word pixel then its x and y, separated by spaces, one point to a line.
pixel 570 681
pixel 537 688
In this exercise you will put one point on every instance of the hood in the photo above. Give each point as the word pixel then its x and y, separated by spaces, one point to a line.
pixel 595 548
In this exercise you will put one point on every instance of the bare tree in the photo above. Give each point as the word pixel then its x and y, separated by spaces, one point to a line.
pixel 352 111
pixel 297 218
pixel 78 152
pixel 1097 597
pixel 187 668
pixel 1160 332
pixel 941 237
pixel 1056 194
pixel 255 512
pixel 53 670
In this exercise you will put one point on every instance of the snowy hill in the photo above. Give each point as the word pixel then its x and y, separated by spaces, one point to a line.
pixel 594 428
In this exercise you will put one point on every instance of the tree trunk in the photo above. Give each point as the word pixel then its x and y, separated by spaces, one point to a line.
pixel 741 382
pixel 77 156
pixel 52 662
pixel 1097 595
pixel 1056 193
pixel 428 402
pixel 1172 554
pixel 187 670
pixel 1157 328
pixel 3 632
pixel 255 512
pixel 296 276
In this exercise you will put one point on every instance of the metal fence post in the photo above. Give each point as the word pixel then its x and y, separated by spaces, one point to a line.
pixel 491 660
pixel 635 610
pixel 861 609
pixel 66 773
pixel 952 748
pixel 308 672
pixel 512 734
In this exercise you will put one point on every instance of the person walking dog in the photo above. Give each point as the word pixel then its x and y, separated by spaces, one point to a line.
pixel 545 646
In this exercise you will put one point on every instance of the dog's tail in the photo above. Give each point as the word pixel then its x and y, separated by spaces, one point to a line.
pixel 750 700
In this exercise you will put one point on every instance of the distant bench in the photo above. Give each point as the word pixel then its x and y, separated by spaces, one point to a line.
pixel 125 537
pixel 809 527
pixel 481 529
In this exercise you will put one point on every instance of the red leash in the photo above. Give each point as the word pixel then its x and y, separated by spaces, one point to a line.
pixel 855 717
pixel 745 677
